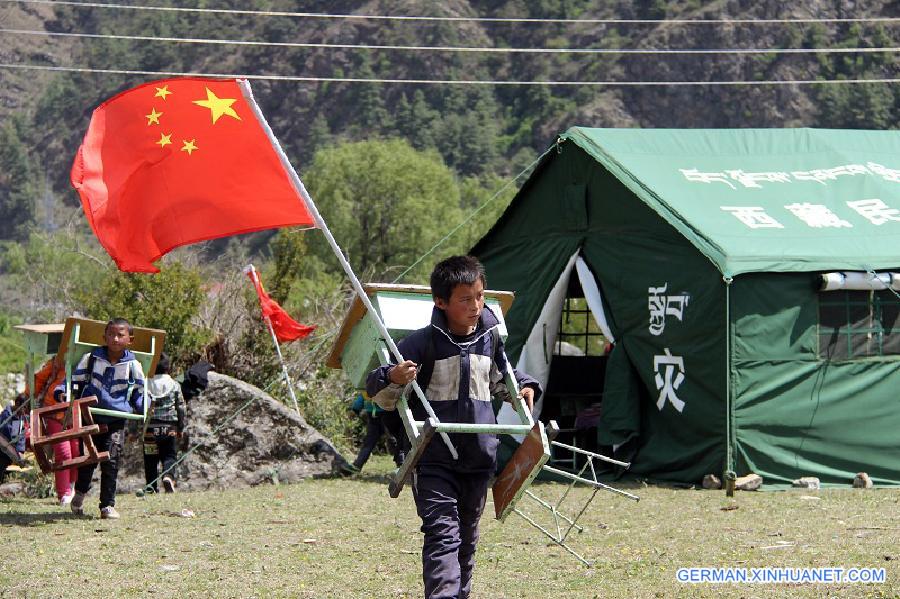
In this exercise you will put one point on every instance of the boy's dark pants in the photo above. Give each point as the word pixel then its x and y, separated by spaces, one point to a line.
pixel 450 505
pixel 4 462
pixel 166 451
pixel 112 441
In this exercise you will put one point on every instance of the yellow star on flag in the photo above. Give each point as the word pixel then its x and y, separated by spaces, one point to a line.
pixel 164 140
pixel 153 117
pixel 189 146
pixel 162 92
pixel 218 106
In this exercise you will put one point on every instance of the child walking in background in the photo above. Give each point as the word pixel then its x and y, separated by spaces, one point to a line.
pixel 46 380
pixel 378 423
pixel 467 368
pixel 166 426
pixel 115 377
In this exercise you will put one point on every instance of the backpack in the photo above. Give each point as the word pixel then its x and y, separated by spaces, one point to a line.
pixel 129 392
pixel 196 379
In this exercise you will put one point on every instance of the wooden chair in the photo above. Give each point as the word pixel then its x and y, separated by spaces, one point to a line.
pixel 82 427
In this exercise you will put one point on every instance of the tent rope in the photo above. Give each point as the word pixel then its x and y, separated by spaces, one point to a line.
pixel 227 421
pixel 874 275
pixel 526 170
pixel 321 341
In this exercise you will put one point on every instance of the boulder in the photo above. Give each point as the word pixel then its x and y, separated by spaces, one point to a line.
pixel 751 482
pixel 266 443
pixel 12 489
pixel 711 481
pixel 862 481
pixel 807 482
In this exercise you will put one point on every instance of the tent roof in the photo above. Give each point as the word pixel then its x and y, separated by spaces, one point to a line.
pixel 756 200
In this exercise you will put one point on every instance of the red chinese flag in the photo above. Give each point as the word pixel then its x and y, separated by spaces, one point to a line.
pixel 286 328
pixel 178 161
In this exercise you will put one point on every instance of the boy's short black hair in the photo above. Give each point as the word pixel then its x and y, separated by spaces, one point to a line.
pixel 164 363
pixel 119 321
pixel 455 270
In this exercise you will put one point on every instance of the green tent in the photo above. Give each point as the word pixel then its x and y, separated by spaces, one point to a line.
pixel 749 279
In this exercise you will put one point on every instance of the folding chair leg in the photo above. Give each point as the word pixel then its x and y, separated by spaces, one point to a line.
pixel 412 458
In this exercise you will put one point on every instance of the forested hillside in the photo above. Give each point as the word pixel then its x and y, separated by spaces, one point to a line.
pixel 477 129
pixel 395 166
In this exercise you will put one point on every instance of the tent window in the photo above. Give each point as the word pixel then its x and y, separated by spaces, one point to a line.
pixel 858 324
pixel 578 332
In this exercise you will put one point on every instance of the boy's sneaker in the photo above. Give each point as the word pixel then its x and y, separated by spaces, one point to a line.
pixel 109 513
pixel 66 499
pixel 77 503
pixel 168 484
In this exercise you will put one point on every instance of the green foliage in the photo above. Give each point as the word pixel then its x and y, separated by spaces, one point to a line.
pixel 289 251
pixel 373 117
pixel 860 105
pixel 651 9
pixel 12 347
pixel 385 203
pixel 17 188
pixel 38 485
pixel 48 274
pixel 168 300
pixel 324 403
pixel 256 362
pixel 864 106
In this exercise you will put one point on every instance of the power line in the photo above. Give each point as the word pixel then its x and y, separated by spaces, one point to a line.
pixel 654 51
pixel 316 15
pixel 298 78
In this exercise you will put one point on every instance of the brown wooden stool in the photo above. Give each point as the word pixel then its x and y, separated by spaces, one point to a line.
pixel 82 427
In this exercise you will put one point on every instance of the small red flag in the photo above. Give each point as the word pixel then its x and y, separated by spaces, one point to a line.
pixel 286 328
pixel 177 161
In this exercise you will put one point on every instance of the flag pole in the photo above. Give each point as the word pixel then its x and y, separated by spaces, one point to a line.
pixel 320 223
pixel 287 379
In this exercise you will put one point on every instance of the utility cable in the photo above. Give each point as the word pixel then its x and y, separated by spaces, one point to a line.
pixel 479 49
pixel 362 17
pixel 298 78
pixel 149 486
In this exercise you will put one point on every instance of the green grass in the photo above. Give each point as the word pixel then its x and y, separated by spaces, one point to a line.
pixel 348 538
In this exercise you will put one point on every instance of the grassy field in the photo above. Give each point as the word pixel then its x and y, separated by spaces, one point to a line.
pixel 347 538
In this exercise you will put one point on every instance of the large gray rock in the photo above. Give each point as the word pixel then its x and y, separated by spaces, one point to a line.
pixel 862 481
pixel 267 442
pixel 807 482
pixel 12 489
pixel 751 482
pixel 711 481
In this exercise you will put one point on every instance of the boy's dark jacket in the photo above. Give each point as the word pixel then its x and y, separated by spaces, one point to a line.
pixel 464 378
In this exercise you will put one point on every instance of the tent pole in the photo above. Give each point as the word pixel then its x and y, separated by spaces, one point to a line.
pixel 730 475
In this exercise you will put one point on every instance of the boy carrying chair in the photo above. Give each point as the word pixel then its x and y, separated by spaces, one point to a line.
pixel 458 361
pixel 111 374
